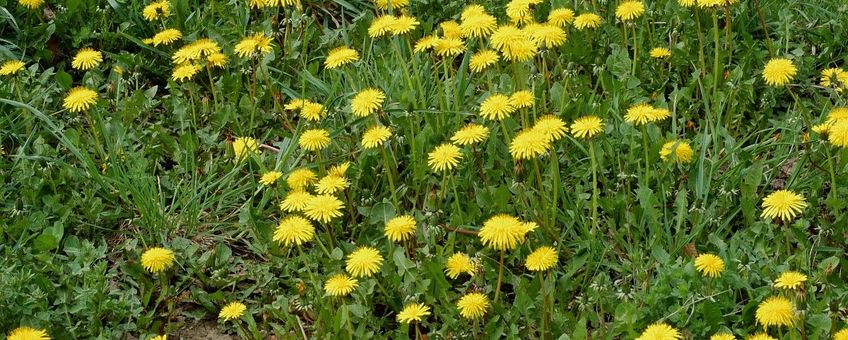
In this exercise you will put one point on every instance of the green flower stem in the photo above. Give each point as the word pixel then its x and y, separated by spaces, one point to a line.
pixel 542 197
pixel 456 200
pixel 701 57
pixel 635 51
pixel 500 276
pixel 212 89
pixel 647 157
pixel 304 260
pixel 832 176
pixel 348 325
pixel 717 71
pixel 594 186
pixel 390 175
pixel 544 318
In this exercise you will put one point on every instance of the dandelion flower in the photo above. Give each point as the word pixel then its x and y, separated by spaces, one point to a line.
pixel 244 146
pixel 482 60
pixel 367 101
pixel 551 127
pixel 413 312
pixel 503 232
pixel 514 43
pixel 294 230
pixel 295 201
pixel 194 51
pixel 31 4
pixel 543 258
pixel 834 77
pixel 87 59
pixel 156 9
pixel 841 335
pixel 331 184
pixel 257 44
pixel 11 67
pixel 396 4
pixel 678 151
pixel 549 36
pixel 639 114
pixel 363 262
pixel 159 337
pixel 270 177
pixel 166 37
pixel 775 311
pixel 340 285
pixel 426 43
pixel 722 336
pixel 323 208
pixel 709 265
pixel 587 20
pixel 403 25
pixel 479 25
pixel 314 139
pixel 232 311
pixel 300 178
pixel 838 133
pixel 783 204
pixel 761 336
pixel 340 56
pixel 522 99
pixel 837 114
pixel 561 17
pixel 28 333
pixel 470 134
pixel 444 157
pixel 496 107
pixel 217 59
pixel 375 137
pixel 629 10
pixel 400 228
pixel 473 305
pixel 80 99
pixel 518 11
pixel 313 111
pixel 339 170
pixel 185 72
pixel 380 26
pixel 660 331
pixel 779 72
pixel 658 114
pixel 157 259
pixel 457 264
pixel 660 53
pixel 687 3
pixel 529 144
pixel 790 280
pixel 450 29
pixel 449 47
pixel 587 127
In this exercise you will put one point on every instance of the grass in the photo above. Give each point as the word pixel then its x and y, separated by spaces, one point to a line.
pixel 152 164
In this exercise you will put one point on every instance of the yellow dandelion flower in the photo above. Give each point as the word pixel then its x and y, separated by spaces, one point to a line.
pixel 496 107
pixel 340 285
pixel 28 333
pixel 31 4
pixel 217 59
pixel 709 265
pixel 837 114
pixel 482 60
pixel 841 335
pixel 514 43
pixel 314 139
pixel 561 17
pixel 185 72
pixel 11 67
pixel 323 208
pixel 838 133
pixel 340 56
pixel 80 99
pixel 518 10
pixel 156 9
pixel 426 43
pixel 339 170
pixel 551 127
pixel 450 29
pixel 157 259
pixel 639 114
pixel 761 336
pixel 503 232
pixel 779 72
pixel 244 147
pixel 413 312
pixel 313 111
pixel 166 37
pixel 395 4
pixel 722 336
pixel 822 129
pixel 587 126
pixel 381 26
pixel 687 3
pixel 790 280
pixel 783 204
pixel 457 264
pixel 159 337
pixel 479 25
pixel 629 10
pixel 232 311
pixel 470 134
pixel 294 230
pixel 301 178
pixel 444 157
pixel 548 35
pixel 834 77
pixel 296 200
pixel 660 53
pixel 87 59
pixel 522 99
pixel 775 311
pixel 543 258
pixel 449 47
pixel 473 305
pixel 363 262
pixel 587 20
pixel 403 25
pixel 660 331
pixel 678 151
pixel 529 144
pixel 331 184
pixel 257 44
pixel 400 228
pixel 367 102
pixel 270 177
